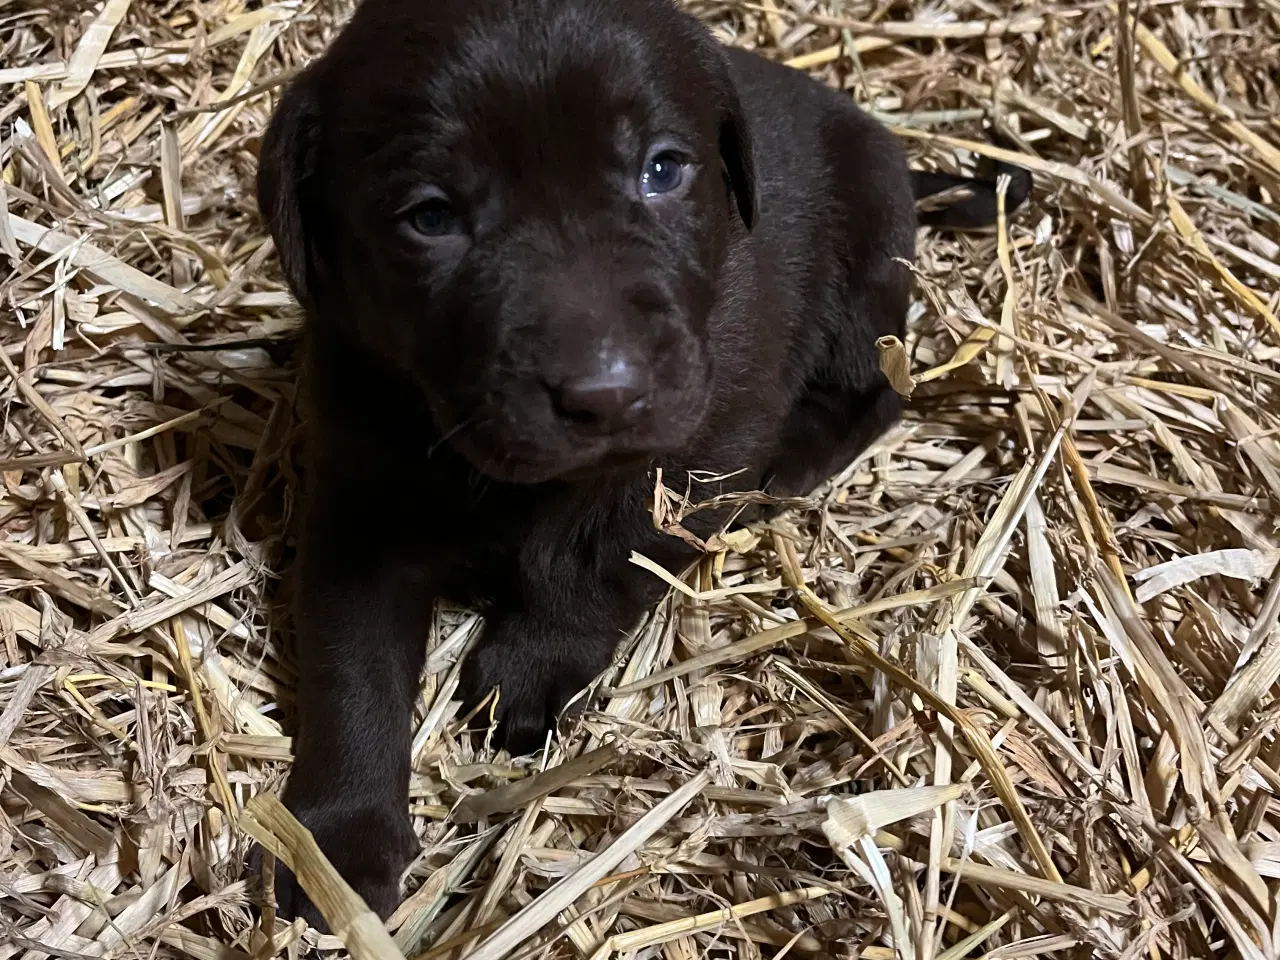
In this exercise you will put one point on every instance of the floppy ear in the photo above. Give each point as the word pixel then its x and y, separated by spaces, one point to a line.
pixel 736 154
pixel 286 164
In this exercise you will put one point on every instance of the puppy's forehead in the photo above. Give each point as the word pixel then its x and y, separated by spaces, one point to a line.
pixel 583 81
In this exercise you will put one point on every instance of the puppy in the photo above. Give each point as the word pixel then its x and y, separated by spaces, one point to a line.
pixel 545 246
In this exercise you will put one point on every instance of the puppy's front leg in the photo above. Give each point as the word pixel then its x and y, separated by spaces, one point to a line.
pixel 362 621
pixel 538 658
pixel 575 596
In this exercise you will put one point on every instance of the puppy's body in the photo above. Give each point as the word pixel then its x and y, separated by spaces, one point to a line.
pixel 752 302
pixel 837 224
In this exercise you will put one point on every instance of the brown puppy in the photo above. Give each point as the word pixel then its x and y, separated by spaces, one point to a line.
pixel 545 246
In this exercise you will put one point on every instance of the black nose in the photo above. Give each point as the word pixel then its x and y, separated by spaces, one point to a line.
pixel 608 400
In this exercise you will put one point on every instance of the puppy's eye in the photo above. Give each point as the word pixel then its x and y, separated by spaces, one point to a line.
pixel 435 218
pixel 663 173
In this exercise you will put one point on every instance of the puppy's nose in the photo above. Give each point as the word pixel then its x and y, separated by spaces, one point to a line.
pixel 607 400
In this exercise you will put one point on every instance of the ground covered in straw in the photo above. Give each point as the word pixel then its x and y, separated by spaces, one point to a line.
pixel 1043 612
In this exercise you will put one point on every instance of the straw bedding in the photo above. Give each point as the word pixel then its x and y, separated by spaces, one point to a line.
pixel 1004 688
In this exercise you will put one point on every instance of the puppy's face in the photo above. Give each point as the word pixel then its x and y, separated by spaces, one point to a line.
pixel 525 206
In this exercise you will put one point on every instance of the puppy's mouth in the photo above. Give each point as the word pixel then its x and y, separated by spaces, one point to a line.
pixel 612 463
pixel 532 450
pixel 585 463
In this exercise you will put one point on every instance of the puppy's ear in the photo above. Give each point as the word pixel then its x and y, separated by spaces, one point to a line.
pixel 286 166
pixel 736 154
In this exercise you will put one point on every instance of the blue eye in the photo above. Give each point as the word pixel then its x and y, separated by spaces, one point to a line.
pixel 663 173
pixel 435 218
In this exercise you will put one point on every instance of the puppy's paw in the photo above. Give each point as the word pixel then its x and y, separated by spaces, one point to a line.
pixel 535 680
pixel 370 849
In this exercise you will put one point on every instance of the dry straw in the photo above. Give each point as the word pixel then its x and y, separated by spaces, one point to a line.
pixel 1004 688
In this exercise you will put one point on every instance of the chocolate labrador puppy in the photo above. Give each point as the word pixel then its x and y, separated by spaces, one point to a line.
pixel 545 246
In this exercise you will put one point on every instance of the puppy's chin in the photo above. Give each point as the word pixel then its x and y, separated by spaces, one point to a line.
pixel 575 470
pixel 566 457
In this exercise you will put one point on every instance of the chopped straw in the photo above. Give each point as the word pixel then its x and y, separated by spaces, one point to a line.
pixel 1005 687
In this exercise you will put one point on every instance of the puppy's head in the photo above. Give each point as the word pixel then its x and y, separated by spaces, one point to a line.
pixel 524 205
